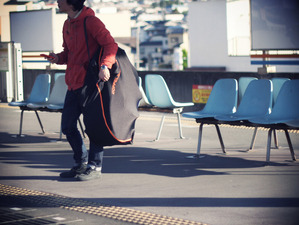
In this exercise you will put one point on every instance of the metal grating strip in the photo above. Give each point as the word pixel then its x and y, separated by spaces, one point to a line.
pixel 98 209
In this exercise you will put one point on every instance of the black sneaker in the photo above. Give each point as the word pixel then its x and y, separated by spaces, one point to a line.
pixel 75 171
pixel 89 174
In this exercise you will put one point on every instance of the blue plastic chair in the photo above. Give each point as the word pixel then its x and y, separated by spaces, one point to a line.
pixel 222 100
pixel 277 84
pixel 56 100
pixel 159 95
pixel 285 110
pixel 39 93
pixel 56 75
pixel 256 102
pixel 243 83
pixel 57 96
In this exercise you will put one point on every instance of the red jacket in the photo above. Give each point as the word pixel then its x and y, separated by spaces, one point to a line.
pixel 75 53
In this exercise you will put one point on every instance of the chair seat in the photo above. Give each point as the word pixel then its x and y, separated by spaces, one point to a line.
pixel 37 105
pixel 23 103
pixel 198 115
pixel 233 117
pixel 55 107
pixel 271 120
pixel 183 104
pixel 293 123
pixel 174 104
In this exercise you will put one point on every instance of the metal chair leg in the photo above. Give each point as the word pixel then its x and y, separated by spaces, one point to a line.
pixel 199 139
pixel 60 133
pixel 275 140
pixel 40 123
pixel 269 145
pixel 160 129
pixel 220 138
pixel 253 138
pixel 21 123
pixel 197 155
pixel 290 145
pixel 180 127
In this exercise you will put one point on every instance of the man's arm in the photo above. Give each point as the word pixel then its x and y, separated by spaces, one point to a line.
pixel 104 38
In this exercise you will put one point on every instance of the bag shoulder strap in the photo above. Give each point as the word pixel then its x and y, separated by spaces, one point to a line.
pixel 86 38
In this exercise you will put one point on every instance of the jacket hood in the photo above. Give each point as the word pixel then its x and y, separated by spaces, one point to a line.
pixel 86 11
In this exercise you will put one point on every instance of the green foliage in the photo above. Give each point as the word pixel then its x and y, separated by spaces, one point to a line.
pixel 185 58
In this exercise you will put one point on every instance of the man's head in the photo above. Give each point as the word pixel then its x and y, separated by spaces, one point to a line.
pixel 70 5
pixel 77 4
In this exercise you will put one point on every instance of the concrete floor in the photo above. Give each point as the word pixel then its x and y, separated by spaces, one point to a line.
pixel 156 177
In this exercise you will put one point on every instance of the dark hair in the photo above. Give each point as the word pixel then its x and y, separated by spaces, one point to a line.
pixel 77 4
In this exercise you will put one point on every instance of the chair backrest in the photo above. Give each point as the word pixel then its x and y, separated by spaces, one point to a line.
pixel 144 101
pixel 257 99
pixel 277 84
pixel 56 75
pixel 41 89
pixel 157 91
pixel 287 102
pixel 223 97
pixel 243 84
pixel 58 92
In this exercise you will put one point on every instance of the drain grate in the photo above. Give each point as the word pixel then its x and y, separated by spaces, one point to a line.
pixel 37 198
pixel 11 217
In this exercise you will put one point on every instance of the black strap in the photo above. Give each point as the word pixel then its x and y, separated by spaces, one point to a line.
pixel 86 38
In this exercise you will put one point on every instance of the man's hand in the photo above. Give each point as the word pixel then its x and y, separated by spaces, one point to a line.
pixel 104 74
pixel 55 59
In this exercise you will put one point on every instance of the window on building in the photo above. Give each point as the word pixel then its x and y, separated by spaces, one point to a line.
pixel 174 40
